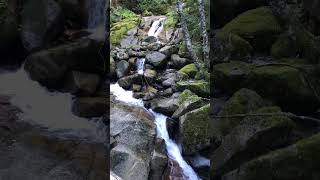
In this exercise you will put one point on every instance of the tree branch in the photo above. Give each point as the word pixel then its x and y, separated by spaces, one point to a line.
pixel 288 114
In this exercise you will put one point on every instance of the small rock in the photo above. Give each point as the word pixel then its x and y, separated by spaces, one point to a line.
pixel 136 87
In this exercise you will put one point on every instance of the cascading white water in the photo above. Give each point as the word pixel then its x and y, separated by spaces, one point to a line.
pixel 140 65
pixel 172 148
pixel 156 27
pixel 97 13
pixel 41 107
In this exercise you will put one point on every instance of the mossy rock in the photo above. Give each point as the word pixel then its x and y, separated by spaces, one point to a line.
pixel 298 161
pixel 190 69
pixel 232 46
pixel 302 43
pixel 259 26
pixel 254 136
pixel 194 129
pixel 284 46
pixel 119 30
pixel 242 102
pixel 200 87
pixel 286 86
pixel 309 46
pixel 187 95
pixel 226 76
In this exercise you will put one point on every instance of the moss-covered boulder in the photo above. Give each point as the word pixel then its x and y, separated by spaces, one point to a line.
pixel 190 69
pixel 119 29
pixel 194 129
pixel 187 101
pixel 199 87
pixel 242 102
pixel 309 46
pixel 254 136
pixel 298 161
pixel 231 46
pixel 294 88
pixel 230 77
pixel 258 26
pixel 9 34
pixel 301 42
pixel 284 46
pixel 287 84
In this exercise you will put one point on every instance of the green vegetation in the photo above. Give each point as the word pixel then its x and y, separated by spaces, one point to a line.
pixel 122 20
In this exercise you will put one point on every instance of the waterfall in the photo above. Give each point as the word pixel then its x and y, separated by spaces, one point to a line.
pixel 172 148
pixel 140 65
pixel 97 14
pixel 156 27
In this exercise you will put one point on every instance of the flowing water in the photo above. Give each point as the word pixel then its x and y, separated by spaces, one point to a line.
pixel 173 150
pixel 157 27
pixel 97 14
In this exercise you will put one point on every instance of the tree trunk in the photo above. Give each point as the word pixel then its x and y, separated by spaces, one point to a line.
pixel 187 35
pixel 204 34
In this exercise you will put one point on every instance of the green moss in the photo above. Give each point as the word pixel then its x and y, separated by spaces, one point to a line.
pixel 199 87
pixel 171 20
pixel 242 102
pixel 195 130
pixel 259 26
pixel 298 161
pixel 284 46
pixel 118 30
pixel 309 46
pixel 190 69
pixel 187 95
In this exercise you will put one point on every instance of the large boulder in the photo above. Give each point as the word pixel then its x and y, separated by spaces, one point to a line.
pixel 298 161
pixel 253 137
pixel 258 26
pixel 134 132
pixel 49 66
pixel 296 83
pixel 195 130
pixel 242 102
pixel 157 59
pixel 49 23
pixel 301 42
pixel 81 83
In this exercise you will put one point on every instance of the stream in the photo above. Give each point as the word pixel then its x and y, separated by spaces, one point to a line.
pixel 122 95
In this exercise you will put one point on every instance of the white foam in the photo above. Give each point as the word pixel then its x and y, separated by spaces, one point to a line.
pixel 124 96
